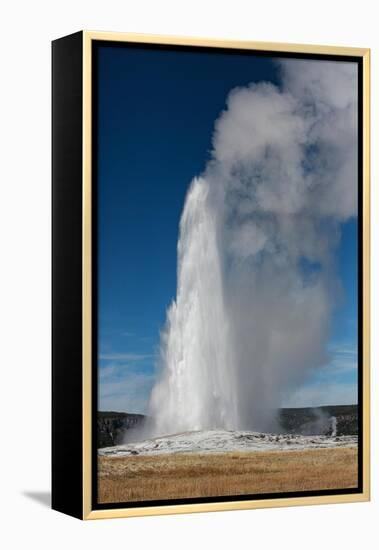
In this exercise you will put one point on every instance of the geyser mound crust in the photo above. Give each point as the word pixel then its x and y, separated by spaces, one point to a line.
pixel 222 441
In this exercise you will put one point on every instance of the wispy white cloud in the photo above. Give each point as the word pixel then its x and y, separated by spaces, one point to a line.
pixel 145 338
pixel 112 370
pixel 128 393
pixel 324 393
pixel 344 349
pixel 125 380
pixel 343 360
pixel 335 383
pixel 124 356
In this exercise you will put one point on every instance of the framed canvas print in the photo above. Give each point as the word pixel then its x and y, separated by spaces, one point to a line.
pixel 210 275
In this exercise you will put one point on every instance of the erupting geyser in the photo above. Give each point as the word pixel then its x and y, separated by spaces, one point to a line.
pixel 256 280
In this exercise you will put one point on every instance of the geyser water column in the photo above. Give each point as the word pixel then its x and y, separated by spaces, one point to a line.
pixel 197 387
pixel 256 280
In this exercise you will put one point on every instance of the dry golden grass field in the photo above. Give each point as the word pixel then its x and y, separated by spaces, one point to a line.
pixel 125 479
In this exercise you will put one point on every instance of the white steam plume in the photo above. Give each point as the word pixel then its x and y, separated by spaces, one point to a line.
pixel 256 277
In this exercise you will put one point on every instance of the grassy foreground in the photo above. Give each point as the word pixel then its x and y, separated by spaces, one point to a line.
pixel 124 479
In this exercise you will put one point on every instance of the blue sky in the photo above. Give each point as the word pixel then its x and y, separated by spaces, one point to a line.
pixel 156 113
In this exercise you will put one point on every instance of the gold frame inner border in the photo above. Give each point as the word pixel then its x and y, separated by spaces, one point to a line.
pixel 362 53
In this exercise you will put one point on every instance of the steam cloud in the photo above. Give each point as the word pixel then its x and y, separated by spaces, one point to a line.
pixel 256 274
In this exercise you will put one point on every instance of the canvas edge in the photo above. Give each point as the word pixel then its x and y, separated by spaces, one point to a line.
pixel 66 311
